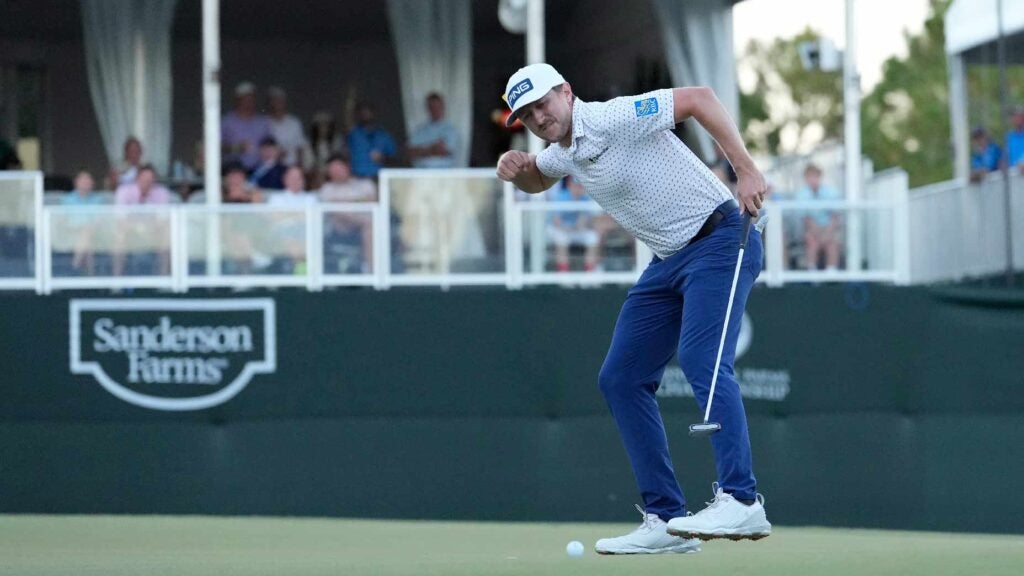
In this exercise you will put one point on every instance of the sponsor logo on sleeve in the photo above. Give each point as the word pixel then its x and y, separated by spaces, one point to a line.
pixel 646 107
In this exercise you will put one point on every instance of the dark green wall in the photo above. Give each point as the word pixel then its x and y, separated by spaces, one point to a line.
pixel 905 410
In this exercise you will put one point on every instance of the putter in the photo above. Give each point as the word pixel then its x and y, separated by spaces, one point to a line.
pixel 706 428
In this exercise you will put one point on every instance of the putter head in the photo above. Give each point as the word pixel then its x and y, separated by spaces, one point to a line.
pixel 704 429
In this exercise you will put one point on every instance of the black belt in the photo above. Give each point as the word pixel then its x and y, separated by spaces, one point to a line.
pixel 716 217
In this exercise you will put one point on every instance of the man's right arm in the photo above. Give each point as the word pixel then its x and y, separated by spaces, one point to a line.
pixel 520 168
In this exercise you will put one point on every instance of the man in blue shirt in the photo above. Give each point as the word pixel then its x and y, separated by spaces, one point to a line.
pixel 986 155
pixel 435 143
pixel 822 228
pixel 1015 140
pixel 369 145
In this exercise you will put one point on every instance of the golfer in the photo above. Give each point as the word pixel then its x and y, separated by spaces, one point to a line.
pixel 624 153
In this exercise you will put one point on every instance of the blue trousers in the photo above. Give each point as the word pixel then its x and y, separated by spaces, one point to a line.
pixel 678 306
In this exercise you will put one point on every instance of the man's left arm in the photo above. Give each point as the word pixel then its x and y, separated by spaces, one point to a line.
pixel 701 104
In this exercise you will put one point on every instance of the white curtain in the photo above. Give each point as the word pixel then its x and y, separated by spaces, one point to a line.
pixel 128 59
pixel 697 38
pixel 434 46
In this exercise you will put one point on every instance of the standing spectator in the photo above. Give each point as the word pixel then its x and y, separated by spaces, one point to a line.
pixel 242 129
pixel 435 143
pixel 370 146
pixel 1015 140
pixel 325 139
pixel 341 186
pixel 822 228
pixel 269 175
pixel 125 172
pixel 287 129
pixel 147 230
pixel 986 155
pixel 573 227
pixel 81 226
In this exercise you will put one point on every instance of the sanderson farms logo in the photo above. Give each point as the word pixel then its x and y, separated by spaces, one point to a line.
pixel 173 354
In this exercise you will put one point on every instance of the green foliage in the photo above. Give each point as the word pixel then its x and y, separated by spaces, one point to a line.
pixel 905 118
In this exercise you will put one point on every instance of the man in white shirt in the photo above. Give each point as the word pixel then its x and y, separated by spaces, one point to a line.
pixel 287 130
pixel 628 160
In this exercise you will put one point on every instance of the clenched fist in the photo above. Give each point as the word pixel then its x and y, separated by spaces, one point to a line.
pixel 513 164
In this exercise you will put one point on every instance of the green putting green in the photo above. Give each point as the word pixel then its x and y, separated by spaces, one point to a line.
pixel 219 546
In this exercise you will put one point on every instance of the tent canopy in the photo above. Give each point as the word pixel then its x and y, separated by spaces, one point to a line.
pixel 972 30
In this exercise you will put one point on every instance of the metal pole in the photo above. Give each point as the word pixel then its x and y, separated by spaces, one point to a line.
pixel 1004 106
pixel 211 131
pixel 535 53
pixel 851 138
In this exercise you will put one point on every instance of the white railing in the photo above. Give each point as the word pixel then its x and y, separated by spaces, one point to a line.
pixel 959 229
pixel 430 228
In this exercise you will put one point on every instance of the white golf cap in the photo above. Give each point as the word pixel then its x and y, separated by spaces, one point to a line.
pixel 529 84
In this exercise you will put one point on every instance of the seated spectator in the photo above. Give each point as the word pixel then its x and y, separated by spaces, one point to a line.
pixel 82 226
pixel 145 190
pixel 822 228
pixel 237 189
pixel 125 172
pixel 269 174
pixel 289 228
pixel 242 129
pixel 435 143
pixel 572 228
pixel 986 155
pixel 238 230
pixel 341 186
pixel 370 146
pixel 287 130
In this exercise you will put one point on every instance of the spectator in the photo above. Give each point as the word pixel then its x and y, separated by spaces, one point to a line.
pixel 242 129
pixel 143 230
pixel 238 230
pixel 287 129
pixel 822 228
pixel 269 175
pixel 986 155
pixel 81 226
pixel 435 143
pixel 369 145
pixel 237 189
pixel 8 156
pixel 341 186
pixel 125 172
pixel 289 228
pixel 572 228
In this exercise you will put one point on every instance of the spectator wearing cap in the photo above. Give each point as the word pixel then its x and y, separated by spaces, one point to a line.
pixel 986 155
pixel 242 129
pixel 370 146
pixel 287 129
pixel 269 174
pixel 435 143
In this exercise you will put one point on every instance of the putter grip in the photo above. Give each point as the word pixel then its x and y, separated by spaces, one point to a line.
pixel 746 230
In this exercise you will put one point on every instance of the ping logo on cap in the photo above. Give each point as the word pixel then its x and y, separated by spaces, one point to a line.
pixel 646 107
pixel 517 91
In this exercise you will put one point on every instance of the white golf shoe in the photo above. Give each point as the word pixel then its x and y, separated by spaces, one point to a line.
pixel 725 517
pixel 649 538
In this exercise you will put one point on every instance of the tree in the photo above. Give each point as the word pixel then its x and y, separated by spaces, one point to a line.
pixel 905 118
pixel 789 108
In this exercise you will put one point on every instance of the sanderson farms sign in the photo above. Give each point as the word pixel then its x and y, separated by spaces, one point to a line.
pixel 173 354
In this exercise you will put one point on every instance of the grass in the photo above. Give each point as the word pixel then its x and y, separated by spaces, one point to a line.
pixel 194 546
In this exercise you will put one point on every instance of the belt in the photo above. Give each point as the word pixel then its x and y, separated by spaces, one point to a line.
pixel 716 217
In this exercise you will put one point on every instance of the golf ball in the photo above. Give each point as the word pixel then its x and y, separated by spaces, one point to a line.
pixel 574 549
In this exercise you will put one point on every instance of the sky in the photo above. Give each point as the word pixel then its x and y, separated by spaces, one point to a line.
pixel 880 26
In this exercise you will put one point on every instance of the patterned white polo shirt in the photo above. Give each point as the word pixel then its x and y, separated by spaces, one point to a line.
pixel 627 158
